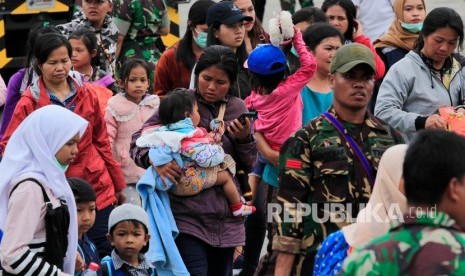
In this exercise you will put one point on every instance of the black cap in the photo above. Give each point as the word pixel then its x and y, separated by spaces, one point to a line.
pixel 225 12
pixel 82 190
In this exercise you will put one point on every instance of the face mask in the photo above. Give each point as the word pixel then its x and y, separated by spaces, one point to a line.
pixel 62 167
pixel 294 52
pixel 201 39
pixel 413 28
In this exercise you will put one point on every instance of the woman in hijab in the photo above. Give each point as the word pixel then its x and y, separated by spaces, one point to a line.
pixel 37 208
pixel 428 78
pixel 403 33
pixel 95 162
pixel 401 36
pixel 387 202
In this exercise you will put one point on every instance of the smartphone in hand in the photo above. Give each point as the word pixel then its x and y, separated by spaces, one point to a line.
pixel 355 26
pixel 251 115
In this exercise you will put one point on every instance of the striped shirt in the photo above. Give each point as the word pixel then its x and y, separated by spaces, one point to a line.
pixel 23 244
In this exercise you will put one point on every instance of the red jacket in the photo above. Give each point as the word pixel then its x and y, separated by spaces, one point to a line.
pixel 171 73
pixel 379 63
pixel 94 161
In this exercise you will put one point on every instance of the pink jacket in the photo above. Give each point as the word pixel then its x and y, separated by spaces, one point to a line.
pixel 123 118
pixel 280 113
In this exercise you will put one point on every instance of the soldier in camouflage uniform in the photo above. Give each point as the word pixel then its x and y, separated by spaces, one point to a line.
pixel 94 16
pixel 318 167
pixel 289 5
pixel 431 240
pixel 140 24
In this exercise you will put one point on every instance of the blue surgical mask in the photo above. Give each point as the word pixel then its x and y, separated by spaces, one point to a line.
pixel 413 28
pixel 62 167
pixel 294 52
pixel 201 39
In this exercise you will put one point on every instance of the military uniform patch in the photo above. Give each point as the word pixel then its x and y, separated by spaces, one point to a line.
pixel 293 164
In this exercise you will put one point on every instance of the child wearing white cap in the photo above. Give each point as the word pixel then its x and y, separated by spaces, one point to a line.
pixel 129 236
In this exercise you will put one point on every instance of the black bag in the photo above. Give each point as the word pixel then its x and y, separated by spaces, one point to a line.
pixel 56 229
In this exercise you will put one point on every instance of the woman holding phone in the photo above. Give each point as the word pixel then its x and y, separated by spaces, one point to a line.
pixel 342 15
pixel 209 232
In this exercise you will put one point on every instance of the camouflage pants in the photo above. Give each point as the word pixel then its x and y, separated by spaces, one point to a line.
pixel 289 5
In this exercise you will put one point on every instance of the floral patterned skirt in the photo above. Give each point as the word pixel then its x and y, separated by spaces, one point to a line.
pixel 195 179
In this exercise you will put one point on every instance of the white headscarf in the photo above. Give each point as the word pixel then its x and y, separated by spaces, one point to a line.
pixel 385 192
pixel 31 153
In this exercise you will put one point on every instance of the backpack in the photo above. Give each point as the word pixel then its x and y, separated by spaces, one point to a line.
pixel 108 269
pixel 91 259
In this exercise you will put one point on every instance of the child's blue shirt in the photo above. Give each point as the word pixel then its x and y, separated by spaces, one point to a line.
pixel 89 252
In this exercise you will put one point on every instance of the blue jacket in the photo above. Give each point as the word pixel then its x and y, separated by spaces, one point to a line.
pixel 163 252
pixel 88 253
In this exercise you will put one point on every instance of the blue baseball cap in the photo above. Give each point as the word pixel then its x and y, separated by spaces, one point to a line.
pixel 266 59
pixel 225 12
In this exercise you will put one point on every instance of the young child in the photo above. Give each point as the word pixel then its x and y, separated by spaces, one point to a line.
pixel 85 61
pixel 275 97
pixel 204 162
pixel 128 234
pixel 96 16
pixel 85 198
pixel 125 114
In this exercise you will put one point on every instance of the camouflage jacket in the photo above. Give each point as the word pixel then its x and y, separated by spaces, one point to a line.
pixel 424 244
pixel 107 37
pixel 140 22
pixel 102 78
pixel 322 185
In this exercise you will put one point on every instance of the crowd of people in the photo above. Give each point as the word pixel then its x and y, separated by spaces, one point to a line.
pixel 337 137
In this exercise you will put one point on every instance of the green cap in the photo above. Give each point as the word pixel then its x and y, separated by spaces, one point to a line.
pixel 350 55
